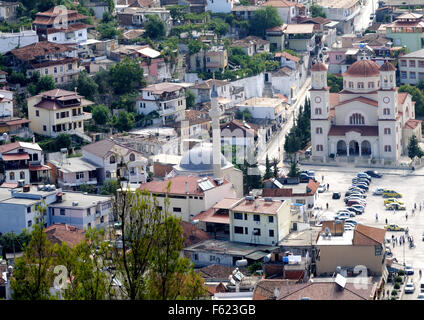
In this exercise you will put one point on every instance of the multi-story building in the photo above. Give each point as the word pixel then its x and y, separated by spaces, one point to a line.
pixel 287 10
pixel 82 211
pixel 115 160
pixel 260 221
pixel 411 67
pixel 408 31
pixel 275 36
pixel 47 58
pixel 167 99
pixel 344 12
pixel 64 27
pixel 212 60
pixel 136 17
pixel 272 109
pixel 252 45
pixel 8 10
pixel 190 195
pixel 363 246
pixel 369 118
pixel 71 173
pixel 203 90
pixel 219 6
pixel 23 161
pixel 300 37
pixel 58 111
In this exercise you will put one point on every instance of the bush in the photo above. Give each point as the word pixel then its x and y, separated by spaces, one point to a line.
pixel 397 285
pixel 398 279
pixel 394 293
pixel 401 273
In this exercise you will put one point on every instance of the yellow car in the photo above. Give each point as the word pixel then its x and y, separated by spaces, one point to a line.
pixel 391 194
pixel 394 227
pixel 392 200
pixel 395 206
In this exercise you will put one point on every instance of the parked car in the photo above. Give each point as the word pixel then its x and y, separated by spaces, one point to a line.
pixel 409 287
pixel 356 180
pixel 343 214
pixel 355 198
pixel 392 200
pixel 420 296
pixel 361 186
pixel 351 202
pixel 336 195
pixel 305 177
pixel 359 208
pixel 394 227
pixel 391 194
pixel 359 195
pixel 378 191
pixel 322 188
pixel 409 270
pixel 351 221
pixel 363 175
pixel 353 189
pixel 308 172
pixel 395 206
pixel 374 174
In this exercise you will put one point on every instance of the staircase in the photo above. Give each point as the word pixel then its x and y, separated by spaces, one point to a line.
pixel 82 135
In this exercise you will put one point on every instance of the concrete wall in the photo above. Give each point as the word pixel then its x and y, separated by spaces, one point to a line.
pixel 253 86
pixel 12 218
pixel 10 41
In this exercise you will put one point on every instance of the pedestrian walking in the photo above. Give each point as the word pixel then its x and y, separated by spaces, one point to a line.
pixel 327 205
pixel 415 205
pixel 406 216
pixel 328 186
pixel 322 178
pixel 420 273
pixel 386 221
pixel 376 217
pixel 420 207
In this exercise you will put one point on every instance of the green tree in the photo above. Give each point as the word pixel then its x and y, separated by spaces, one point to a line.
pixel 126 76
pixel 125 121
pixel 33 273
pixel 245 3
pixel 292 143
pixel 107 30
pixel 264 19
pixel 109 187
pixel 334 82
pixel 155 27
pixel 275 167
pixel 86 86
pixel 294 170
pixel 414 149
pixel 219 26
pixel 417 96
pixel 268 173
pixel 45 83
pixel 63 140
pixel 177 12
pixel 317 11
pixel 101 114
pixel 194 46
pixel 190 99
pixel 12 242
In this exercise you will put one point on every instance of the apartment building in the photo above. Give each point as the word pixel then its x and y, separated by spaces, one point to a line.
pixel 252 45
pixel 343 12
pixel 275 36
pixel 300 37
pixel 407 30
pixel 58 111
pixel 203 90
pixel 216 6
pixel 260 221
pixel 47 58
pixel 212 60
pixel 136 17
pixel 168 99
pixel 8 10
pixel 57 26
pixel 23 161
pixel 287 10
pixel 411 67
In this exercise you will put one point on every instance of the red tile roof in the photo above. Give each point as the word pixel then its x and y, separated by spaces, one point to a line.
pixel 264 289
pixel 363 68
pixel 9 185
pixel 15 156
pixel 371 131
pixel 319 67
pixel 192 234
pixel 402 97
pixel 368 236
pixel 282 4
pixel 287 56
pixel 177 185
pixel 71 27
pixel 9 147
pixel 40 49
pixel 58 233
pixel 387 66
pixel 412 123
pixel 334 99
pixel 213 217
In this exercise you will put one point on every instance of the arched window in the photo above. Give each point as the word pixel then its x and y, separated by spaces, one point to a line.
pixel 370 85
pixel 319 147
pixel 132 157
pixel 387 131
pixel 21 175
pixel 112 159
pixel 318 130
pixel 318 111
pixel 387 148
pixel 357 118
pixel 386 111
pixel 360 85
pixel 351 84
pixel 12 176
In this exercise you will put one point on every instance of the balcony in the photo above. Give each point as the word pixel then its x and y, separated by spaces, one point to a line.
pixel 81 117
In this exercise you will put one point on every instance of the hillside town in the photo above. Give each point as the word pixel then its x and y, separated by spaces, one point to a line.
pixel 211 150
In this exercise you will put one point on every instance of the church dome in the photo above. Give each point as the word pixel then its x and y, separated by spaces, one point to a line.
pixel 387 66
pixel 363 68
pixel 200 158
pixel 319 67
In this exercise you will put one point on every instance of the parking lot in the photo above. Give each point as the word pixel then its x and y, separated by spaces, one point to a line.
pixel 412 190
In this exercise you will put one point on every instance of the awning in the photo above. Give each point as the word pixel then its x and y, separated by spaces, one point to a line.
pixel 39 168
pixel 15 156
pixel 257 255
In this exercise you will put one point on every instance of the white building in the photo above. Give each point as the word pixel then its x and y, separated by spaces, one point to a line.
pixel 190 195
pixel 264 108
pixel 368 118
pixel 260 221
pixel 6 103
pixel 168 99
pixel 411 67
pixel 13 40
pixel 216 6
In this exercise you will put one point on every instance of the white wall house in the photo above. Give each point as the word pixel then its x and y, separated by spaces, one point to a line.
pixel 74 34
pixel 217 6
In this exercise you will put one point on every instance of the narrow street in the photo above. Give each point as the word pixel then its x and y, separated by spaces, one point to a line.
pixel 362 20
pixel 278 140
